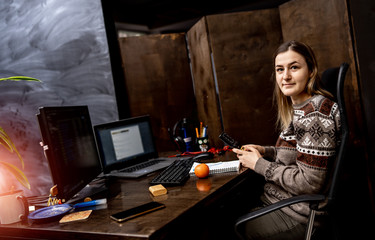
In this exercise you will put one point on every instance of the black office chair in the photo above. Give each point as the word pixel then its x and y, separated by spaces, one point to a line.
pixel 329 79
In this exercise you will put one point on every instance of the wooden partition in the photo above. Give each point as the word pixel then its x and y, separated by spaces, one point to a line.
pixel 158 81
pixel 231 57
pixel 327 30
pixel 208 108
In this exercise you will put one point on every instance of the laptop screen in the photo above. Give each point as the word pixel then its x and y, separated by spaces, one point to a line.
pixel 125 143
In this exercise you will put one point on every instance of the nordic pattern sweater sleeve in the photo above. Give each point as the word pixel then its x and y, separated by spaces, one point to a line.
pixel 303 152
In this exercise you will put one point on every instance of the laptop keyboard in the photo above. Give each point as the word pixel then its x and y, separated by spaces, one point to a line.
pixel 141 166
pixel 176 174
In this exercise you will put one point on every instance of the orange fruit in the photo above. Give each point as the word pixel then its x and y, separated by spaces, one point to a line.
pixel 202 170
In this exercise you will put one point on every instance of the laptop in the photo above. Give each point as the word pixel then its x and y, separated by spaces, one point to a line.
pixel 127 148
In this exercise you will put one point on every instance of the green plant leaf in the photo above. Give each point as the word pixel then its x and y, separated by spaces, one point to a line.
pixel 20 78
pixel 8 144
pixel 4 140
pixel 17 173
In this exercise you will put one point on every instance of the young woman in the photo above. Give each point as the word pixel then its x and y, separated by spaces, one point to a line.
pixel 298 164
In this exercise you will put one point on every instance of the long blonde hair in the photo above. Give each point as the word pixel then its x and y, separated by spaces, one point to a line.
pixel 313 86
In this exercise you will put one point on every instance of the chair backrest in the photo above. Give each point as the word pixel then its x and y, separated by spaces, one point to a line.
pixel 333 80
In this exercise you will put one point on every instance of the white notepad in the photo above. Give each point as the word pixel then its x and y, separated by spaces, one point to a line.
pixel 220 167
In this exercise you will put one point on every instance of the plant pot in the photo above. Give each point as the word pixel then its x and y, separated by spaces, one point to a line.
pixel 13 207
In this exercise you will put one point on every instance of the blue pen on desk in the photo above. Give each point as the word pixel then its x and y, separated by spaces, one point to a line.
pixel 90 203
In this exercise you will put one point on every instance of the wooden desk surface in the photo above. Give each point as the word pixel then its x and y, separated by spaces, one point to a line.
pixel 182 202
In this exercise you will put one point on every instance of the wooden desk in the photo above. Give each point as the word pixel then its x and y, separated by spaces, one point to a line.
pixel 187 208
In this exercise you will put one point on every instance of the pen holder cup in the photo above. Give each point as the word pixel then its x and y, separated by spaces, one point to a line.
pixel 202 143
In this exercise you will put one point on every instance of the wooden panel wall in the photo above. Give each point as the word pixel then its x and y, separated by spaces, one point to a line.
pixel 324 25
pixel 241 45
pixel 204 82
pixel 158 81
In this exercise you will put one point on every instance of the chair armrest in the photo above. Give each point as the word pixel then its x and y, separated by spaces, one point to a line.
pixel 278 205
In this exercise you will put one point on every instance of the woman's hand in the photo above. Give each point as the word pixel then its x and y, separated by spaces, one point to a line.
pixel 249 157
pixel 260 149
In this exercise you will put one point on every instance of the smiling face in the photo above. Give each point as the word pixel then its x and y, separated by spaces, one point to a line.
pixel 292 75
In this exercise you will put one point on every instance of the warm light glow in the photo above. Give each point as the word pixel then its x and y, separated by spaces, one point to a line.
pixel 7 180
pixel 4 181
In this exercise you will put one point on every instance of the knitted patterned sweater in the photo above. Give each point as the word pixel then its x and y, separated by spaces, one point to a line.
pixel 299 162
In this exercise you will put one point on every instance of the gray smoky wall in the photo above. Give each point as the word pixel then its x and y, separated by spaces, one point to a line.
pixel 64 44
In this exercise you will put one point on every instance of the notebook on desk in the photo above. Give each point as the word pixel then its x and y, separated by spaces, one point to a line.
pixel 127 148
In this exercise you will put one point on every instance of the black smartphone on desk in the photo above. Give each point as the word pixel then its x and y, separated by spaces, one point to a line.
pixel 137 211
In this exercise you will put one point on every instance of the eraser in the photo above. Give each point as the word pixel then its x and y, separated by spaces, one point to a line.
pixel 157 190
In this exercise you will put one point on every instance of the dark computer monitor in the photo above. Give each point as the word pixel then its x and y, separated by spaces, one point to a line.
pixel 70 147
